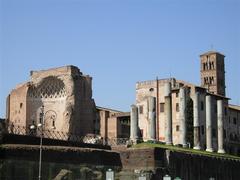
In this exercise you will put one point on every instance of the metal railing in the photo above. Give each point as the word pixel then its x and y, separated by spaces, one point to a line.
pixel 65 136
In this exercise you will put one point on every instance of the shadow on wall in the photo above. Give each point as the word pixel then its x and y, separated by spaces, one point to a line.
pixel 28 170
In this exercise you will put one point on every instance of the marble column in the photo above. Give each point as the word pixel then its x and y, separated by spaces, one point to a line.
pixel 196 124
pixel 134 123
pixel 209 123
pixel 220 126
pixel 152 117
pixel 182 114
pixel 168 113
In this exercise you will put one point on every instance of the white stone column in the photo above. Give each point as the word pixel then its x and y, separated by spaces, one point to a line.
pixel 168 113
pixel 152 117
pixel 134 123
pixel 196 124
pixel 220 126
pixel 182 113
pixel 209 123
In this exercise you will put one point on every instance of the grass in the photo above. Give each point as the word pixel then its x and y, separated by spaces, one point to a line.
pixel 185 150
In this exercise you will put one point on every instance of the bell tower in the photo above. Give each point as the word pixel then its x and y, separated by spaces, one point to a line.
pixel 213 72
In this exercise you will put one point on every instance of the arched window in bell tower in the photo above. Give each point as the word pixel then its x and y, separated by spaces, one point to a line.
pixel 213 65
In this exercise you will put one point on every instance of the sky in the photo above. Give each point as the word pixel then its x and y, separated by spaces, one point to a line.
pixel 118 42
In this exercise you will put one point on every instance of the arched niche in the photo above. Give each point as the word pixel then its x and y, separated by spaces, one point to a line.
pixel 50 92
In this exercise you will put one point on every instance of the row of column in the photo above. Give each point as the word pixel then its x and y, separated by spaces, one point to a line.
pixel 182 115
pixel 151 120
pixel 220 118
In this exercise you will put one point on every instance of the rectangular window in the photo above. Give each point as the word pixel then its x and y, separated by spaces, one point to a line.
pixel 177 107
pixel 140 109
pixel 161 107
pixel 235 121
pixel 177 94
pixel 202 106
pixel 177 128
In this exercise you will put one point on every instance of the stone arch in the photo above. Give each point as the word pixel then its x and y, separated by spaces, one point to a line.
pixel 51 93
pixel 213 67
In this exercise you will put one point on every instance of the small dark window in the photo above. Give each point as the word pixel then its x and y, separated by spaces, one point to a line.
pixel 213 65
pixel 235 121
pixel 177 128
pixel 215 107
pixel 151 89
pixel 177 107
pixel 177 94
pixel 202 130
pixel 212 80
pixel 21 104
pixel 202 106
pixel 53 123
pixel 140 109
pixel 161 107
pixel 40 117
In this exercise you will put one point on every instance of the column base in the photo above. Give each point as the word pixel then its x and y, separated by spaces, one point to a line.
pixel 153 140
pixel 169 143
pixel 197 148
pixel 184 145
pixel 221 151
pixel 135 141
pixel 209 150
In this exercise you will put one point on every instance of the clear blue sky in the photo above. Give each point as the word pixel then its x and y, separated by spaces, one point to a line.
pixel 117 42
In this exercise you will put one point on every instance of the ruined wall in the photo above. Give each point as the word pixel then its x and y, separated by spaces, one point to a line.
pixel 113 123
pixel 149 88
pixel 66 95
pixel 83 163
pixel 159 162
pixel 103 115
pixel 112 127
pixel 18 106
pixel 143 90
pixel 126 164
